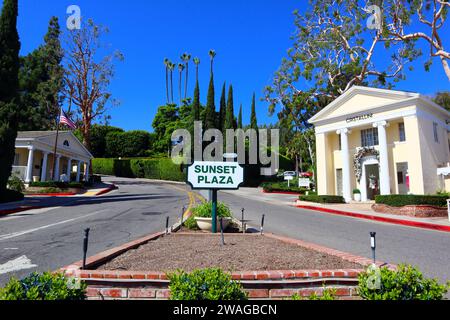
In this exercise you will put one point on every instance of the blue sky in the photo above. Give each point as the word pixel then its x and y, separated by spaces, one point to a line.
pixel 250 38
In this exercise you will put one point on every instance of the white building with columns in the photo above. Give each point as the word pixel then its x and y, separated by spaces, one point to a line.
pixel 34 157
pixel 382 142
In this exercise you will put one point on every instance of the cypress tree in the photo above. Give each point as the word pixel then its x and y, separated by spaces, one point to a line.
pixel 223 109
pixel 210 112
pixel 196 103
pixel 9 86
pixel 253 121
pixel 239 122
pixel 229 118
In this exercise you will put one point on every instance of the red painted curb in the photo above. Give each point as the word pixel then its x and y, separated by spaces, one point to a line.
pixel 283 192
pixel 16 210
pixel 111 188
pixel 61 194
pixel 417 224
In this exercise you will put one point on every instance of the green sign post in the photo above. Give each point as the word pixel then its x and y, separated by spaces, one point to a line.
pixel 214 176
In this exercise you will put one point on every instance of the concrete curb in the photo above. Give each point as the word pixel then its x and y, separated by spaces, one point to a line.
pixel 409 223
pixel 106 190
pixel 283 192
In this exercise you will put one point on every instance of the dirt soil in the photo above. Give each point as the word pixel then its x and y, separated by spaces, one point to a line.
pixel 240 253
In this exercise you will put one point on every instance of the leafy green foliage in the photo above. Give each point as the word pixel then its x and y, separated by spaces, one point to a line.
pixel 56 184
pixel 327 294
pixel 45 286
pixel 229 116
pixel 204 210
pixel 253 120
pixel 98 138
pixel 127 144
pixel 406 283
pixel 322 199
pixel 16 184
pixel 210 112
pixel 282 186
pixel 443 99
pixel 206 284
pixel 400 200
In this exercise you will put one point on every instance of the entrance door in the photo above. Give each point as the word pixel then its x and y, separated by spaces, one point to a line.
pixel 372 181
pixel 402 172
pixel 339 182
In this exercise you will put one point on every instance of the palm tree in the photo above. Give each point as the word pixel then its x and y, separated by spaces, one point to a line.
pixel 166 64
pixel 180 69
pixel 212 55
pixel 186 57
pixel 196 62
pixel 171 68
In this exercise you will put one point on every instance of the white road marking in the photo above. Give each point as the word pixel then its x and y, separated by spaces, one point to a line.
pixel 20 263
pixel 21 233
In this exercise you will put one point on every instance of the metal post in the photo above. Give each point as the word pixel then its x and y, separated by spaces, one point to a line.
pixel 214 211
pixel 242 221
pixel 373 245
pixel 85 246
pixel 448 205
pixel 167 225
pixel 182 215
pixel 262 223
pixel 221 231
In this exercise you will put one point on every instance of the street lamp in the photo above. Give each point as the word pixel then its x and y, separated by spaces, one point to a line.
pixel 373 244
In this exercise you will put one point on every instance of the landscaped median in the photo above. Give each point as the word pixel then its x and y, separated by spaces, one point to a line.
pixel 139 269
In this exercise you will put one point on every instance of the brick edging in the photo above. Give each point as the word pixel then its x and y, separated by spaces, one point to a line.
pixel 409 223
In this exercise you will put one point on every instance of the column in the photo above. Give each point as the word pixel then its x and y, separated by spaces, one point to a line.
pixel 56 173
pixel 86 173
pixel 29 177
pixel 44 167
pixel 79 170
pixel 385 188
pixel 69 168
pixel 346 182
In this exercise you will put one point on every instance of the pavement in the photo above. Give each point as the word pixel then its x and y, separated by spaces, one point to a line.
pixel 427 249
pixel 49 238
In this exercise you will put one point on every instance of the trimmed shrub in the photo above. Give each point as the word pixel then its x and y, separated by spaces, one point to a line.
pixel 206 284
pixel 16 184
pixel 322 199
pixel 57 184
pixel 10 196
pixel 103 166
pixel 282 187
pixel 405 283
pixel 400 200
pixel 45 286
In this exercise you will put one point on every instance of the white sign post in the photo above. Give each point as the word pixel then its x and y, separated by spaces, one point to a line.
pixel 215 176
pixel 448 206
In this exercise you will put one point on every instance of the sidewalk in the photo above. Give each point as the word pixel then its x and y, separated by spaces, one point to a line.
pixel 43 201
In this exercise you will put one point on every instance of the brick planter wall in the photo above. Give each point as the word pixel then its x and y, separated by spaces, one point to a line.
pixel 276 284
pixel 419 211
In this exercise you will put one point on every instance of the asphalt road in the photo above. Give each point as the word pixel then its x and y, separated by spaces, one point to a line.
pixel 429 250
pixel 51 238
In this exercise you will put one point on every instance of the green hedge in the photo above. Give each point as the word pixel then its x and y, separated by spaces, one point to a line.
pixel 159 169
pixel 400 200
pixel 10 196
pixel 322 199
pixel 282 187
pixel 57 184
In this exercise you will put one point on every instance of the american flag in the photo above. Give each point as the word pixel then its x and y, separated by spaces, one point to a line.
pixel 66 120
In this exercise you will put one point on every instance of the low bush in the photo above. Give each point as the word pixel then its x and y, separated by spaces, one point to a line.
pixel 57 184
pixel 327 294
pixel 45 286
pixel 405 283
pixel 204 210
pixel 282 186
pixel 322 199
pixel 356 191
pixel 400 200
pixel 16 184
pixel 10 196
pixel 206 284
pixel 103 166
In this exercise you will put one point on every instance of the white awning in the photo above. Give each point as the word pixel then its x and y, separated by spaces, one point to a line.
pixel 443 171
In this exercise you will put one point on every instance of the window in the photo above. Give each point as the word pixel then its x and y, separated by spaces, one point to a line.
pixel 369 137
pixel 435 131
pixel 401 132
pixel 16 159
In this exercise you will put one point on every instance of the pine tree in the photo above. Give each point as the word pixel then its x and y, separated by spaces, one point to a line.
pixel 229 118
pixel 253 121
pixel 223 109
pixel 196 103
pixel 210 112
pixel 239 122
pixel 9 86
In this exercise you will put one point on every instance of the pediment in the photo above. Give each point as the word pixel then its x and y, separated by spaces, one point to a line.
pixel 66 141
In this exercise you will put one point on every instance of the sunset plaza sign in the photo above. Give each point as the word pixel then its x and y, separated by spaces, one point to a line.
pixel 215 175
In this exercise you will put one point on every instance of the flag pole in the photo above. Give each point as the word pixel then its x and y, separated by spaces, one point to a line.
pixel 56 143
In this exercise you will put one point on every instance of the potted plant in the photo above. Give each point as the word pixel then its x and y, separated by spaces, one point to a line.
pixel 203 215
pixel 357 195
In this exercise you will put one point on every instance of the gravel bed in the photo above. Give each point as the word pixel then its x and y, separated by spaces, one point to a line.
pixel 240 253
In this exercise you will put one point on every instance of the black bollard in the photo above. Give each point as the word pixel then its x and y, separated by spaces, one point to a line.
pixel 167 225
pixel 85 246
pixel 373 245
pixel 242 221
pixel 221 231
pixel 262 223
